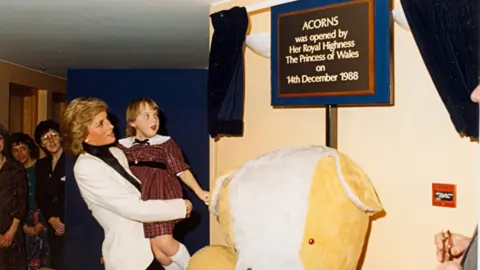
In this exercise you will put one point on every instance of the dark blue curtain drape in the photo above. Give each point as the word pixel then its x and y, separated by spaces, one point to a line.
pixel 446 33
pixel 226 72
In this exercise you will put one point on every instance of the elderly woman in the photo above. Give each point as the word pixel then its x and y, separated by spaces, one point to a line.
pixel 109 188
pixel 13 208
pixel 50 188
pixel 25 151
pixel 455 251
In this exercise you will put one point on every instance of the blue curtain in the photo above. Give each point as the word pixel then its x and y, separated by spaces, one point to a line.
pixel 226 72
pixel 446 33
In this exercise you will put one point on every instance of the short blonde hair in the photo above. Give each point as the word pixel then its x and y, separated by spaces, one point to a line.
pixel 133 110
pixel 77 117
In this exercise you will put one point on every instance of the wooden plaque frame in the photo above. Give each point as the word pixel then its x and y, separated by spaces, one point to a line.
pixel 380 90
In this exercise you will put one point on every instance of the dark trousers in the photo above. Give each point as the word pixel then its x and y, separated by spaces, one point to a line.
pixel 15 256
pixel 56 250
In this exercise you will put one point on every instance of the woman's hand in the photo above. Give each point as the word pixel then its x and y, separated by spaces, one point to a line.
pixel 203 195
pixel 189 206
pixel 9 236
pixel 3 242
pixel 57 225
pixel 28 230
pixel 459 244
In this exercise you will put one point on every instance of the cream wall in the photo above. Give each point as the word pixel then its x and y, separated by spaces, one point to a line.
pixel 10 73
pixel 403 148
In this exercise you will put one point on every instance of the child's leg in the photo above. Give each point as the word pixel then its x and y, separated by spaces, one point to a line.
pixel 177 252
pixel 163 259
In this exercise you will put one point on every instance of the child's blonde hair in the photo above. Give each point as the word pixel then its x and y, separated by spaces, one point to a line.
pixel 133 110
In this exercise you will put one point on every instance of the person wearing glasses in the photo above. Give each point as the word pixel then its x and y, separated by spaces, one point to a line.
pixel 50 189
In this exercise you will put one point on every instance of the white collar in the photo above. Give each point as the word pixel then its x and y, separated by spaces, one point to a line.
pixel 157 139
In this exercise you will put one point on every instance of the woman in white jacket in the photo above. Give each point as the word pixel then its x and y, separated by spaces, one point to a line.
pixel 110 189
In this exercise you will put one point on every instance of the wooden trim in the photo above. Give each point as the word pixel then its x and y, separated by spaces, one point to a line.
pixel 29 108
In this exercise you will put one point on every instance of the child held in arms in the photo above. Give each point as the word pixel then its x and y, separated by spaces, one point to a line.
pixel 157 161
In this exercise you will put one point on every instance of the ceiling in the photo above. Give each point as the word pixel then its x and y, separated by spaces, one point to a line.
pixel 54 35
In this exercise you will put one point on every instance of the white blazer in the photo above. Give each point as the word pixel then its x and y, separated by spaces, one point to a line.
pixel 116 205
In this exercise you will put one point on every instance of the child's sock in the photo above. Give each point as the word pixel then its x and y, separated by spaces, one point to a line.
pixel 172 266
pixel 182 257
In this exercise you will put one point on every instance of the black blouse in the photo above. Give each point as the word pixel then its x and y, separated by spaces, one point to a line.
pixel 50 188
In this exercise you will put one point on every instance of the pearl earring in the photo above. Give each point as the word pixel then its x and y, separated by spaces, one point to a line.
pixel 86 140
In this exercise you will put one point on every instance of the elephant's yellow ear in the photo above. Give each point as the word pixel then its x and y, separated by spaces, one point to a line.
pixel 357 184
pixel 221 183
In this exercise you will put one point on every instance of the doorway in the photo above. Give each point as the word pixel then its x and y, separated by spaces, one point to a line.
pixel 23 109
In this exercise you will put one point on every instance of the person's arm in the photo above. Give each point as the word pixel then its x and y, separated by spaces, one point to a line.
pixel 189 180
pixel 41 197
pixel 103 189
pixel 19 182
pixel 177 165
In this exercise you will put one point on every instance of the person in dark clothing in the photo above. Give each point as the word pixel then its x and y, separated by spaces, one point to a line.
pixel 458 252
pixel 25 151
pixel 13 208
pixel 50 189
